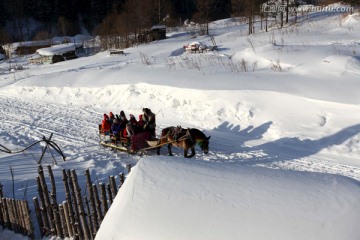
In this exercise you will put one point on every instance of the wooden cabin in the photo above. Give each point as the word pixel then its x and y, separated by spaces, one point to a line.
pixel 56 53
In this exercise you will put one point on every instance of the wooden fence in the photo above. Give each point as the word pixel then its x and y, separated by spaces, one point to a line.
pixel 15 216
pixel 78 216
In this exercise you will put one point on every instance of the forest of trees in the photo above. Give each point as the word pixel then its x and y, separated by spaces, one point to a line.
pixel 24 20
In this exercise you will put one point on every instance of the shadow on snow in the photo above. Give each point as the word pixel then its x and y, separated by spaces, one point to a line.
pixel 233 139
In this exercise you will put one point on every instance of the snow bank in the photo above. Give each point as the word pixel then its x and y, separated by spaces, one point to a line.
pixel 175 198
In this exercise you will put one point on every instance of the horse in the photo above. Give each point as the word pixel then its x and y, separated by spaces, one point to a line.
pixel 184 138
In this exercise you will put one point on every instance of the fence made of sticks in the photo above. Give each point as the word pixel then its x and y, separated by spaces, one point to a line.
pixel 15 215
pixel 78 216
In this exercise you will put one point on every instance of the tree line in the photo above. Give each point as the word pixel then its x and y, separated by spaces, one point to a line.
pixel 24 20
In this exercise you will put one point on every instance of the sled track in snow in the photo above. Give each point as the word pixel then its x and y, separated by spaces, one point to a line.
pixel 75 130
pixel 24 122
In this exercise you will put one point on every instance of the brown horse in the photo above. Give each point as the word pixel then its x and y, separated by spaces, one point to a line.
pixel 184 138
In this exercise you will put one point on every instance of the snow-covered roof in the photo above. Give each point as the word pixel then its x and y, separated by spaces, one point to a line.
pixel 158 27
pixel 58 49
pixel 14 46
pixel 196 43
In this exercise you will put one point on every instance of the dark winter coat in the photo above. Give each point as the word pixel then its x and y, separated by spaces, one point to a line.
pixel 116 128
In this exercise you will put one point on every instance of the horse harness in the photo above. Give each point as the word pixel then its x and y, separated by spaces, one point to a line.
pixel 176 134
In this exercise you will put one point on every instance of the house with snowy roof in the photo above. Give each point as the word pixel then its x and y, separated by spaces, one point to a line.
pixel 56 53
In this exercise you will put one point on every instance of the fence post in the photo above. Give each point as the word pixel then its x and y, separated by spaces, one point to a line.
pixel 103 198
pixel 11 214
pixel 80 205
pixel 93 211
pixel 89 216
pixel 21 215
pixel 128 167
pixel 113 185
pixel 63 221
pixel 57 222
pixel 122 179
pixel 38 216
pixel 69 212
pixel 75 208
pixel 1 205
pixel 6 213
pixel 1 213
pixel 98 204
pixel 48 207
pixel 53 187
pixel 43 212
pixel 108 188
pixel 68 219
pixel 30 227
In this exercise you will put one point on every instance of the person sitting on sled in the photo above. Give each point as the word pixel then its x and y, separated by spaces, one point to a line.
pixel 105 124
pixel 133 127
pixel 111 117
pixel 116 129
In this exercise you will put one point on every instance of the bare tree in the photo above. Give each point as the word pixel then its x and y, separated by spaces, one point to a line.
pixel 249 9
pixel 205 9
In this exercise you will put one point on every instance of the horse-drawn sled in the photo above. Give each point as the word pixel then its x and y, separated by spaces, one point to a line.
pixel 186 138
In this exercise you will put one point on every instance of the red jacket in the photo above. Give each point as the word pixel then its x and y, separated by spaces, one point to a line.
pixel 105 124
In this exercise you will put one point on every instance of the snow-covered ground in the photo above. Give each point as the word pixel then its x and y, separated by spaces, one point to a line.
pixel 277 105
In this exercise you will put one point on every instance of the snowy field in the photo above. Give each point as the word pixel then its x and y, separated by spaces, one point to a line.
pixel 282 109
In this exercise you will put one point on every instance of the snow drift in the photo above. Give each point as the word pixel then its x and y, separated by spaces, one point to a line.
pixel 176 198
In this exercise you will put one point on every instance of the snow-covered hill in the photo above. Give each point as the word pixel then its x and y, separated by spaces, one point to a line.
pixel 285 99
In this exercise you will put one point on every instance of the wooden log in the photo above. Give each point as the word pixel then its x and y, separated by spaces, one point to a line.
pixel 69 207
pixel 19 218
pixel 53 188
pixel 89 216
pixel 48 206
pixel 103 198
pixel 6 213
pixel 128 167
pixel 57 223
pixel 80 205
pixel 98 204
pixel 93 210
pixel 122 179
pixel 44 216
pixel 20 215
pixel 68 219
pixel 1 206
pixel 64 228
pixel 1 191
pixel 108 188
pixel 1 213
pixel 77 225
pixel 113 185
pixel 39 217
pixel 29 225
pixel 11 214
pixel 27 217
